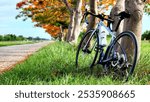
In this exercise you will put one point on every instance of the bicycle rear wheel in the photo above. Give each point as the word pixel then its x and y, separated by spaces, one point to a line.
pixel 87 50
pixel 124 52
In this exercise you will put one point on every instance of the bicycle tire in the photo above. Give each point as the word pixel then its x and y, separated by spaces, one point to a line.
pixel 124 51
pixel 91 56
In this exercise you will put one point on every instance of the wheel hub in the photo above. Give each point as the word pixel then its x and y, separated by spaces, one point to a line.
pixel 119 62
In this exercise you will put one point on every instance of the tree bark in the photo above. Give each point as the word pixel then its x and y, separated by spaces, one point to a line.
pixel 119 7
pixel 93 9
pixel 71 26
pixel 92 21
pixel 77 19
pixel 134 23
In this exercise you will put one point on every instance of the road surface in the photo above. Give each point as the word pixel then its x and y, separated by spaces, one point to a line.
pixel 12 55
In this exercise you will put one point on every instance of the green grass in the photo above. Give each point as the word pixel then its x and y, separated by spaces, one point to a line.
pixel 55 64
pixel 9 43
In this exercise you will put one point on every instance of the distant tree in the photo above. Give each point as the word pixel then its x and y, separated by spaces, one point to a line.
pixel 20 38
pixel 10 37
pixel 37 38
pixel 13 37
pixel 30 38
pixel 7 37
pixel 146 35
pixel 1 37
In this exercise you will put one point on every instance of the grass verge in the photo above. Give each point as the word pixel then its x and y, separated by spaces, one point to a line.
pixel 55 65
pixel 9 43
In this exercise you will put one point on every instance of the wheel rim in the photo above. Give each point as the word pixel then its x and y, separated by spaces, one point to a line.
pixel 126 49
pixel 87 52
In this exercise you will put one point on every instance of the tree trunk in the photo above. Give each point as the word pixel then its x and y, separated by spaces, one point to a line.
pixel 61 34
pixel 93 9
pixel 92 22
pixel 71 26
pixel 77 19
pixel 119 7
pixel 134 23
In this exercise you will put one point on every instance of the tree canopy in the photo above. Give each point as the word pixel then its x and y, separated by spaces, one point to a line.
pixel 51 14
pixel 48 14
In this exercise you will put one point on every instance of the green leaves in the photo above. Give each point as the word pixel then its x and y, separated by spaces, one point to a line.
pixel 147 9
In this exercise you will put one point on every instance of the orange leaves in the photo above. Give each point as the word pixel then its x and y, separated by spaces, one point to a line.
pixel 48 14
pixel 20 4
pixel 148 1
pixel 52 30
pixel 40 3
pixel 35 2
pixel 104 4
pixel 108 2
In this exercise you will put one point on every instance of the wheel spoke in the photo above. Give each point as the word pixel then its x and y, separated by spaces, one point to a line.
pixel 86 54
pixel 126 54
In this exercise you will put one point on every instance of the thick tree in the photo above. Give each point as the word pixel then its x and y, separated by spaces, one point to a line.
pixel 75 20
pixel 117 8
pixel 52 15
pixel 93 9
pixel 134 23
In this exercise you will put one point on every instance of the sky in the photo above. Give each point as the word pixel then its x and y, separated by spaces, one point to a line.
pixel 9 25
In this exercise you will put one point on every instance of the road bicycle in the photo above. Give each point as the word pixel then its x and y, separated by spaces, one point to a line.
pixel 119 56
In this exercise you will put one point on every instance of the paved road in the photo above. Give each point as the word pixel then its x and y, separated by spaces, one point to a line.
pixel 11 55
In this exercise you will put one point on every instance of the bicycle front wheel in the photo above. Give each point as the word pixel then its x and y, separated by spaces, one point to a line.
pixel 124 52
pixel 87 50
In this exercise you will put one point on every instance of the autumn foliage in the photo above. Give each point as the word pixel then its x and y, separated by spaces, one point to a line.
pixel 148 1
pixel 51 14
pixel 53 30
pixel 106 3
pixel 48 14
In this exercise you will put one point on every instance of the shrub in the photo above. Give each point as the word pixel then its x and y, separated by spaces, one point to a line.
pixel 1 38
pixel 146 35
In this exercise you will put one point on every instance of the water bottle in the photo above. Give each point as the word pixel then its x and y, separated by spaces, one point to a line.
pixel 103 38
